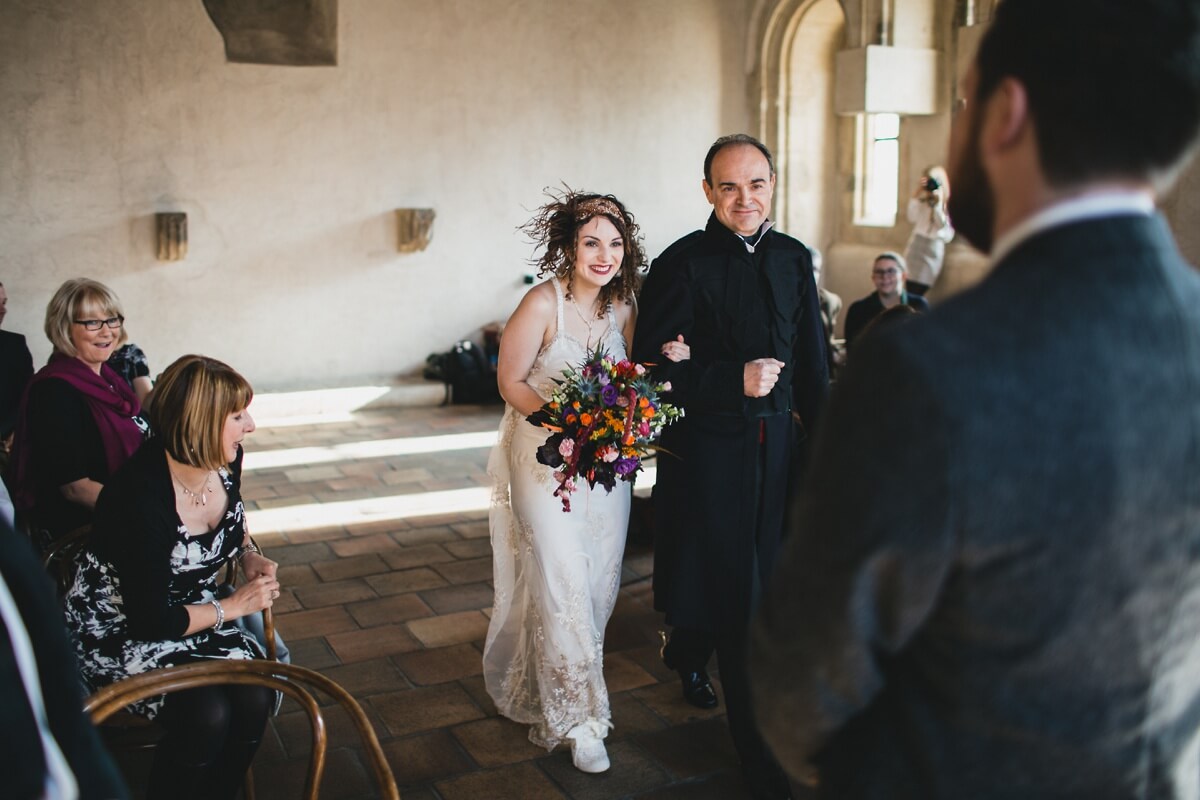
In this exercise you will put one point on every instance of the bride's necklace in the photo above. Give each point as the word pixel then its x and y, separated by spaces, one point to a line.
pixel 583 319
pixel 200 496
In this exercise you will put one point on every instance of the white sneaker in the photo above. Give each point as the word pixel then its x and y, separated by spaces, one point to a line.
pixel 587 746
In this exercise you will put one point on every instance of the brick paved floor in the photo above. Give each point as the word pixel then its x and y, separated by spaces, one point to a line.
pixel 386 565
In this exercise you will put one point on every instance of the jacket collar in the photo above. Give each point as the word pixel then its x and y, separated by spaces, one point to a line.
pixel 728 240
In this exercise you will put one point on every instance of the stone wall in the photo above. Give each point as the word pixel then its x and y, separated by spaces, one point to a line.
pixel 290 176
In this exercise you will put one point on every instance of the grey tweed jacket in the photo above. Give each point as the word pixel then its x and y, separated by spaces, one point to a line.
pixel 1025 622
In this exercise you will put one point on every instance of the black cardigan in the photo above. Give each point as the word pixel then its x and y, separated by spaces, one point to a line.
pixel 134 530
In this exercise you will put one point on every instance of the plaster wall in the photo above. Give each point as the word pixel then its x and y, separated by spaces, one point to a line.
pixel 1182 208
pixel 110 112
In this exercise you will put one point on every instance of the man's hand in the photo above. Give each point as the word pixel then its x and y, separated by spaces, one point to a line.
pixel 760 376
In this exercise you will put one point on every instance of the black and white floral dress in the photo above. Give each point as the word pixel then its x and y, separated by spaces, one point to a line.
pixel 142 565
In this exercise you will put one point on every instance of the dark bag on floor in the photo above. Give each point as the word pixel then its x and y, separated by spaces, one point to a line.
pixel 470 376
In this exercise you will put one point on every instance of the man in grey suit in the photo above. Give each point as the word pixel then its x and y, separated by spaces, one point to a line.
pixel 1025 622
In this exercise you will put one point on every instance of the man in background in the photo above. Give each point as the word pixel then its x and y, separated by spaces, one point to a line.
pixel 16 368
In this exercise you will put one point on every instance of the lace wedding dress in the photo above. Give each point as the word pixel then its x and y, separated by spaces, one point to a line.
pixel 556 574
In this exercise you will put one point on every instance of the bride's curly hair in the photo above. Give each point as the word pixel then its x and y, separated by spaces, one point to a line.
pixel 556 226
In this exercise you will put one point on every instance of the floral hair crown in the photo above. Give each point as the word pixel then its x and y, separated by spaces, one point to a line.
pixel 596 206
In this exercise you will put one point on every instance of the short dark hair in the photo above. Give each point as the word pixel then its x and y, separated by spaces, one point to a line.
pixel 892 255
pixel 729 141
pixel 1113 85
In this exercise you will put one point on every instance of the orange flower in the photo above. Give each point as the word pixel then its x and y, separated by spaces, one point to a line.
pixel 585 418
pixel 647 412
pixel 643 402
pixel 571 419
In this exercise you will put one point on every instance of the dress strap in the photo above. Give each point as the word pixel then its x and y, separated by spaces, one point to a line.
pixel 558 290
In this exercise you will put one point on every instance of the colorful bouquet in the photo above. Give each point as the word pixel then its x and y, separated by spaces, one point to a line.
pixel 604 416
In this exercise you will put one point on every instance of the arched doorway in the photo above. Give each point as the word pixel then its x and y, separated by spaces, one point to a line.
pixel 800 39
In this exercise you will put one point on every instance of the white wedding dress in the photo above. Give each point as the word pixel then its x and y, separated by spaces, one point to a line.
pixel 556 574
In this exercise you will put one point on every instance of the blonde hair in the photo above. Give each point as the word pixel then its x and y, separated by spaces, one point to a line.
pixel 66 305
pixel 191 400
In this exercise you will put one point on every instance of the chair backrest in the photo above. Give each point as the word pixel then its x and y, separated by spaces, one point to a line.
pixel 59 557
pixel 295 681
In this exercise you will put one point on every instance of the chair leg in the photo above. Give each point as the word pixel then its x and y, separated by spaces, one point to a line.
pixel 248 785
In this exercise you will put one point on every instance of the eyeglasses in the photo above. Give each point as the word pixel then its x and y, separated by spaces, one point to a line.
pixel 96 324
pixel 883 273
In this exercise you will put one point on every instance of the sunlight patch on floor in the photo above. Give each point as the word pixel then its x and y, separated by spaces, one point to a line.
pixel 382 509
pixel 379 448
pixel 314 406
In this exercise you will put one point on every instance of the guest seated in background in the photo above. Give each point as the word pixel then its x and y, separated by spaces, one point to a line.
pixel 16 367
pixel 131 364
pixel 79 421
pixel 145 594
pixel 831 307
pixel 888 274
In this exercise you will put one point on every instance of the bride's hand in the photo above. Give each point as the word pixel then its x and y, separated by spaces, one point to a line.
pixel 677 350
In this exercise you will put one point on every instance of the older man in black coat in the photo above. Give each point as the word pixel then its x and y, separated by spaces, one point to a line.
pixel 743 297
pixel 1004 601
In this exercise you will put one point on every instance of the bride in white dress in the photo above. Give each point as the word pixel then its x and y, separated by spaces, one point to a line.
pixel 557 574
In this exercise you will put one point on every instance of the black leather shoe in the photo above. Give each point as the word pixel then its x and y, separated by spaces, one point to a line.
pixel 697 689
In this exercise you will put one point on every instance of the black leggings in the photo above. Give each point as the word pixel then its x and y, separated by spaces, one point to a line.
pixel 212 734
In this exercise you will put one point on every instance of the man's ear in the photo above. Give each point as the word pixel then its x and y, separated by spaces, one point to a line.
pixel 708 192
pixel 1006 118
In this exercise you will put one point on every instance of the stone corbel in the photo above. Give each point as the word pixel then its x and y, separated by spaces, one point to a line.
pixel 296 33
pixel 172 235
pixel 414 229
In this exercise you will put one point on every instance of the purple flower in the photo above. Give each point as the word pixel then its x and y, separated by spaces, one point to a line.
pixel 624 466
pixel 609 394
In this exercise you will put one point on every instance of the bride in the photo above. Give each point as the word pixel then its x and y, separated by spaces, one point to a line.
pixel 557 574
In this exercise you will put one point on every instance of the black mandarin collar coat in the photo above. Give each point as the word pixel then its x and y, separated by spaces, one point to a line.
pixel 722 485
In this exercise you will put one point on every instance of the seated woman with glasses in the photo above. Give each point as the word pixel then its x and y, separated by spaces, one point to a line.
pixel 888 274
pixel 145 593
pixel 78 421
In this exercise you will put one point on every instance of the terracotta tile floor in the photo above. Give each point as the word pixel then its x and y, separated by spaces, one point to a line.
pixel 392 602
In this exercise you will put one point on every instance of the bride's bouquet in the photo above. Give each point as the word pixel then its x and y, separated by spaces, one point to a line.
pixel 604 417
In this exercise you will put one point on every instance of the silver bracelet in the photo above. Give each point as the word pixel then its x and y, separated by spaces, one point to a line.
pixel 249 547
pixel 220 613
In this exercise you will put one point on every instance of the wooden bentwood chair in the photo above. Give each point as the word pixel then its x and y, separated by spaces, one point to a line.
pixel 295 681
pixel 124 730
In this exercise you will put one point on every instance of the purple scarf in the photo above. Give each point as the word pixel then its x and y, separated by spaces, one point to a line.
pixel 113 405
